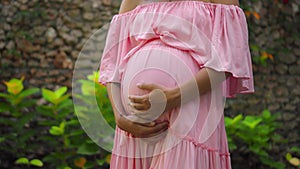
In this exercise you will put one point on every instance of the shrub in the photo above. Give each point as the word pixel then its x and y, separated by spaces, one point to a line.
pixel 256 135
pixel 45 128
pixel 48 129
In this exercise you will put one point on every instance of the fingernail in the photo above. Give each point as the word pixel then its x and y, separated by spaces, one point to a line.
pixel 139 84
pixel 152 123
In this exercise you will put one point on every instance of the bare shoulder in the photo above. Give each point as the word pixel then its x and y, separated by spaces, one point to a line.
pixel 128 5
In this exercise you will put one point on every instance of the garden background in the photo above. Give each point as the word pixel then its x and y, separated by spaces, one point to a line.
pixel 41 40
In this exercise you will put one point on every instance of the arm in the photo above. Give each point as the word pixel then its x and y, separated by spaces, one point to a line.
pixel 204 81
pixel 228 2
pixel 128 5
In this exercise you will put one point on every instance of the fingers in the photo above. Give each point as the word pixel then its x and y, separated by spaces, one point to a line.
pixel 139 99
pixel 140 106
pixel 148 87
pixel 142 103
pixel 150 124
pixel 156 130
pixel 139 103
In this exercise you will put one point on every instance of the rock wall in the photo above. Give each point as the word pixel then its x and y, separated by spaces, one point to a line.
pixel 41 40
pixel 277 81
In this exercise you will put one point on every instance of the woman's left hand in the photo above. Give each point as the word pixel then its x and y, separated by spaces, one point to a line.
pixel 170 98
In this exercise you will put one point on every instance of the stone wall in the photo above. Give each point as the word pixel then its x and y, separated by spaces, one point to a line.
pixel 41 40
pixel 276 83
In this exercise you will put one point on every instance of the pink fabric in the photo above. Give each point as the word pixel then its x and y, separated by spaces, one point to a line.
pixel 167 43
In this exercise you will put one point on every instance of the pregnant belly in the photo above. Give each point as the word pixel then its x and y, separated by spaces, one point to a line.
pixel 158 64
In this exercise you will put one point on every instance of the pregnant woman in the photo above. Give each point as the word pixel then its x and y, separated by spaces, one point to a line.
pixel 168 67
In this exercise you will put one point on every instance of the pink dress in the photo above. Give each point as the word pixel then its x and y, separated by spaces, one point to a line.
pixel 167 43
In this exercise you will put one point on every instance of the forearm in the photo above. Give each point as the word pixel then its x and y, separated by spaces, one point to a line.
pixel 202 82
pixel 205 80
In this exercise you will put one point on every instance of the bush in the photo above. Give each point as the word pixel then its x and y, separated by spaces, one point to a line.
pixel 45 128
pixel 255 135
pixel 45 132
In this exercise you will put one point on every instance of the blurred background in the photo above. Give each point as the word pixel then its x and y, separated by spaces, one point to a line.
pixel 40 40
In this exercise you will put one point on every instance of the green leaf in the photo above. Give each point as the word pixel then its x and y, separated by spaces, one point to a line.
pixel 66 104
pixel 295 149
pixel 62 125
pixel 56 131
pixel 72 122
pixel 67 168
pixel 5 95
pixel 228 121
pixel 94 76
pixel 237 119
pixel 22 160
pixel 251 121
pixel 271 163
pixel 101 162
pixel 288 156
pixel 87 87
pixel 266 114
pixel 28 92
pixel 59 92
pixel 15 86
pixel 36 162
pixel 49 95
pixel 2 139
pixel 88 149
pixel 254 47
pixel 61 99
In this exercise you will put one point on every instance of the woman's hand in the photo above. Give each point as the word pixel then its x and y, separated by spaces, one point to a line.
pixel 135 128
pixel 142 130
pixel 158 96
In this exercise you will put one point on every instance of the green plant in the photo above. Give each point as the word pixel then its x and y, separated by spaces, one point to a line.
pixel 70 140
pixel 295 161
pixel 257 134
pixel 28 163
pixel 90 90
pixel 17 116
pixel 43 125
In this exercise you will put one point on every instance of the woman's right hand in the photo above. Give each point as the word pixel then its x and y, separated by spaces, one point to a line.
pixel 141 130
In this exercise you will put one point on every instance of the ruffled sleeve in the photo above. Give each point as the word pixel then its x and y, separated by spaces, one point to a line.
pixel 230 51
pixel 117 45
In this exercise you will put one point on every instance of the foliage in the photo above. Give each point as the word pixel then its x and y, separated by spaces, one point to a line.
pixel 91 88
pixel 293 160
pixel 16 113
pixel 256 133
pixel 26 161
pixel 48 129
pixel 45 128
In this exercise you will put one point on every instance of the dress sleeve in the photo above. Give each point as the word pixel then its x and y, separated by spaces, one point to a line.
pixel 229 51
pixel 117 45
